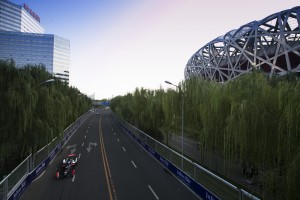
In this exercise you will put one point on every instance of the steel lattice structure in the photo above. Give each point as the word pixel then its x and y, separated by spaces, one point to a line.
pixel 271 45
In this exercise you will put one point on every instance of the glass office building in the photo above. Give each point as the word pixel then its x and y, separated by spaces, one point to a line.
pixel 19 18
pixel 31 48
pixel 22 39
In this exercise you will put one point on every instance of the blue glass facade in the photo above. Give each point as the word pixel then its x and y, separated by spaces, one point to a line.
pixel 61 57
pixel 22 40
pixel 31 48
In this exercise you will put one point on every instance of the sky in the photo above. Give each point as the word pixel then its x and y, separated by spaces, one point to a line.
pixel 117 46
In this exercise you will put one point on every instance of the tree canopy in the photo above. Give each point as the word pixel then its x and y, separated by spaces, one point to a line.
pixel 252 120
pixel 32 111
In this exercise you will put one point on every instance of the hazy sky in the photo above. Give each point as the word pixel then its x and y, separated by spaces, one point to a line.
pixel 119 45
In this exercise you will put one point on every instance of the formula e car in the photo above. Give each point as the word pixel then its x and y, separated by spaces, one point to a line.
pixel 67 166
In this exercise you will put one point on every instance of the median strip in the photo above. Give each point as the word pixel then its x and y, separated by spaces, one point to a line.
pixel 108 176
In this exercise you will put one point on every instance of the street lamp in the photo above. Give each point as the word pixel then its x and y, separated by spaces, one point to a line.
pixel 32 157
pixel 48 81
pixel 182 102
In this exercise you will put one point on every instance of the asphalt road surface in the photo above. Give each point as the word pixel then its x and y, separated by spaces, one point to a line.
pixel 111 166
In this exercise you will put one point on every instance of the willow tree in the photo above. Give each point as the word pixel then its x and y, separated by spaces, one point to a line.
pixel 31 113
pixel 250 122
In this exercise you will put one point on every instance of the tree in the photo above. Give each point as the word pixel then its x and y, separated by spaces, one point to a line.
pixel 31 113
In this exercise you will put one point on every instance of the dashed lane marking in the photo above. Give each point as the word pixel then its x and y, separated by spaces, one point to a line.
pixel 153 192
pixel 133 164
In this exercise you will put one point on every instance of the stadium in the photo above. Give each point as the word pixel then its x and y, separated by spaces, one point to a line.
pixel 271 45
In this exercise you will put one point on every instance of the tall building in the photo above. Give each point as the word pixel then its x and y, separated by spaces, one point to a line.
pixel 22 39
pixel 19 18
pixel 34 48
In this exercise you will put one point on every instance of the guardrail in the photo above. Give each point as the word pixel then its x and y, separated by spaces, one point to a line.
pixel 202 182
pixel 14 184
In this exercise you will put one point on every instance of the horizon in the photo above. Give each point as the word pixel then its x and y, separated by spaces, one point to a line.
pixel 118 46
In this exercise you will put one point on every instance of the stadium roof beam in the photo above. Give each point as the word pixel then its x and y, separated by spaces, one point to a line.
pixel 271 45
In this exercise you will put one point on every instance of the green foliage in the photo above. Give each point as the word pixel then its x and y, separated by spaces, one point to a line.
pixel 32 113
pixel 251 120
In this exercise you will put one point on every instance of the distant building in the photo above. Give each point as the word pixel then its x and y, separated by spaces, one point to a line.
pixel 92 96
pixel 22 39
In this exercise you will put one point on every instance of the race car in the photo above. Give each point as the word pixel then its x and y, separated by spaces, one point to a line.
pixel 67 166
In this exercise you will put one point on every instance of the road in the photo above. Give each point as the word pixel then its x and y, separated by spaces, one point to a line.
pixel 190 146
pixel 111 166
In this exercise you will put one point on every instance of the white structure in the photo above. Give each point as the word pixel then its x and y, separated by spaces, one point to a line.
pixel 271 45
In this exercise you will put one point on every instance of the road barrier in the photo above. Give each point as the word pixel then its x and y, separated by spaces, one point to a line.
pixel 202 182
pixel 14 184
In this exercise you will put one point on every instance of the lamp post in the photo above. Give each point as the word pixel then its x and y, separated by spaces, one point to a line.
pixel 182 104
pixel 48 81
pixel 32 157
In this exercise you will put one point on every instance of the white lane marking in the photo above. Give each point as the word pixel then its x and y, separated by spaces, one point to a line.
pixel 51 161
pixel 79 156
pixel 87 131
pixel 39 176
pixel 133 164
pixel 114 133
pixel 124 149
pixel 82 144
pixel 85 136
pixel 73 179
pixel 118 139
pixel 153 192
